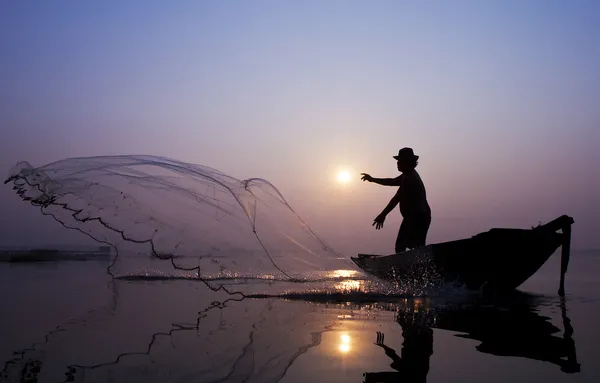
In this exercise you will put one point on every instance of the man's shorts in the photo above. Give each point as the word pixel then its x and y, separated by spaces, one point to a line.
pixel 413 232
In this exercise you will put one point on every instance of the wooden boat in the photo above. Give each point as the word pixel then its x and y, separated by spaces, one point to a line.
pixel 498 260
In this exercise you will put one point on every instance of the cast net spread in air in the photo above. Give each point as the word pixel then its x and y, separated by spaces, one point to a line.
pixel 158 213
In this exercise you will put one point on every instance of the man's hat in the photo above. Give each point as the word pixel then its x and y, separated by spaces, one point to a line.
pixel 406 154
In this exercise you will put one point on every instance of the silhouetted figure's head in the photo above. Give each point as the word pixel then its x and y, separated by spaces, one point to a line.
pixel 406 159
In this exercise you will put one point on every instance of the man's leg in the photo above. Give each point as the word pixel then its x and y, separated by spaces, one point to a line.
pixel 421 228
pixel 403 236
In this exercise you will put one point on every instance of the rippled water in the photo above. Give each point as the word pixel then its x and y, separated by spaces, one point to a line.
pixel 69 321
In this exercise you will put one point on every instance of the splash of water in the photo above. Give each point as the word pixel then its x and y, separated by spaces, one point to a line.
pixel 151 209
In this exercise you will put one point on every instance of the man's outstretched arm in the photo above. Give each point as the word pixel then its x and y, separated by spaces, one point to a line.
pixel 381 181
pixel 391 205
pixel 378 221
pixel 390 352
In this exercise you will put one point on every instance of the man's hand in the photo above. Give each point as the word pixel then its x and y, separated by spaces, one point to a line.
pixel 378 221
pixel 366 177
pixel 380 337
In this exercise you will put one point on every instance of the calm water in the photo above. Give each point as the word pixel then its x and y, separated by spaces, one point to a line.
pixel 68 321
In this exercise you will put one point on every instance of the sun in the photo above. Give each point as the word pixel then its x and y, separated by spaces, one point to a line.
pixel 343 176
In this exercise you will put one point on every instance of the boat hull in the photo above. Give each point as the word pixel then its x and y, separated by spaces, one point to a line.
pixel 500 259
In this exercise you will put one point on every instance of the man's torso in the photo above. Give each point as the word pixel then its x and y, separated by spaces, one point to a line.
pixel 413 198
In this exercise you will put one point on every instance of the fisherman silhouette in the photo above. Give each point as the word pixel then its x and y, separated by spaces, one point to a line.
pixel 412 198
pixel 417 348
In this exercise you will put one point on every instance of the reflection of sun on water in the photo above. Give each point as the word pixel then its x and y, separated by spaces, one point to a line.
pixel 344 346
pixel 346 284
pixel 341 273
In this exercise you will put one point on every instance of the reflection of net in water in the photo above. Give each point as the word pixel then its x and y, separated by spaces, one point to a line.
pixel 205 222
pixel 243 345
pixel 233 340
pixel 240 339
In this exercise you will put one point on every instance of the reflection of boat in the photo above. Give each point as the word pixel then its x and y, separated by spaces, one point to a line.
pixel 499 259
pixel 510 327
pixel 514 329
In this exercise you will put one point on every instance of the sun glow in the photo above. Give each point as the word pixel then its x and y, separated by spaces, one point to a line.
pixel 343 176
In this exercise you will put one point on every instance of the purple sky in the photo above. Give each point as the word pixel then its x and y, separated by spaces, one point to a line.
pixel 500 100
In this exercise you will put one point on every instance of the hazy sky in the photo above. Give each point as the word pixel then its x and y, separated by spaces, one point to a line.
pixel 500 99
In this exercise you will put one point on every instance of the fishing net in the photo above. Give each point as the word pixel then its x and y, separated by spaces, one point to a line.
pixel 164 216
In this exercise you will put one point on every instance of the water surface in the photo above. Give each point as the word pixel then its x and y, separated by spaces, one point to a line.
pixel 69 321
